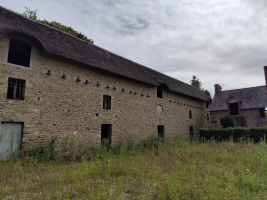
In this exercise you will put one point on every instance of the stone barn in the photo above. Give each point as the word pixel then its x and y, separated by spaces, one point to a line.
pixel 55 85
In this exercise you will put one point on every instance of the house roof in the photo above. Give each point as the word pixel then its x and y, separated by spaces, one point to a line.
pixel 58 43
pixel 249 98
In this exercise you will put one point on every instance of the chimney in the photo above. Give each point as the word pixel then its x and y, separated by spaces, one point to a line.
pixel 218 89
pixel 265 73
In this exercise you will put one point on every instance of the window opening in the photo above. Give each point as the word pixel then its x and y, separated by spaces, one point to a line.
pixel 106 102
pixel 233 108
pixel 159 92
pixel 106 130
pixel 208 117
pixel 161 131
pixel 262 112
pixel 207 104
pixel 16 89
pixel 190 114
pixel 19 53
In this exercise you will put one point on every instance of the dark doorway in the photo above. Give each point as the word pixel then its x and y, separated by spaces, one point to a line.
pixel 191 129
pixel 161 131
pixel 106 130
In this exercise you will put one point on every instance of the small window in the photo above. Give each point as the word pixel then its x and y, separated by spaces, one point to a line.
pixel 207 104
pixel 106 130
pixel 208 117
pixel 19 53
pixel 233 108
pixel 190 114
pixel 106 102
pixel 191 129
pixel 16 89
pixel 161 131
pixel 159 92
pixel 262 113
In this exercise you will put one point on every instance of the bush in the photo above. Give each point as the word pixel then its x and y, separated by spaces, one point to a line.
pixel 227 121
pixel 44 153
pixel 237 133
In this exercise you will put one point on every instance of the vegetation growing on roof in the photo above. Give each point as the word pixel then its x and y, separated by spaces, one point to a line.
pixel 32 14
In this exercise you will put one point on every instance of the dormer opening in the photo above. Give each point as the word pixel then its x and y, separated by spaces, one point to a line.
pixel 19 53
pixel 233 108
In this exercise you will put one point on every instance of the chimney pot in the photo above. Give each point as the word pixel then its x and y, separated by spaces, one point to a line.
pixel 218 89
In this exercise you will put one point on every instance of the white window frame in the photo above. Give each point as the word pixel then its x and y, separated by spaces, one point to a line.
pixel 7 50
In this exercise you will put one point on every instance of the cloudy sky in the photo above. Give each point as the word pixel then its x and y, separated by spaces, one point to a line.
pixel 222 41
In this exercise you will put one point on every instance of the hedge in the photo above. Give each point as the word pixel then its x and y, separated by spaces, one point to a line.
pixel 236 133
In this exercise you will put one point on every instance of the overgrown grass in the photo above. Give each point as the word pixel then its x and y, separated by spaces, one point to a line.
pixel 171 170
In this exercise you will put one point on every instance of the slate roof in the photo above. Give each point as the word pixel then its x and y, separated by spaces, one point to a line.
pixel 254 97
pixel 58 43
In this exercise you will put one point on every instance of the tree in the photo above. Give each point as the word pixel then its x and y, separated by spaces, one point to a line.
pixel 207 93
pixel 227 121
pixel 32 14
pixel 197 83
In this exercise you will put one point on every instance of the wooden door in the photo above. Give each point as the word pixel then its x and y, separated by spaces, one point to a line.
pixel 10 139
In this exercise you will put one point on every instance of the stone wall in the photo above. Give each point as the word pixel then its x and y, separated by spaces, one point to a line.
pixel 247 117
pixel 54 106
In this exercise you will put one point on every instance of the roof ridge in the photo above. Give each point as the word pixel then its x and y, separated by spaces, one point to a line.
pixel 243 88
pixel 155 76
pixel 35 21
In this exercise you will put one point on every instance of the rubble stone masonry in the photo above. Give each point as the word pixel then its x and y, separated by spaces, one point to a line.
pixel 59 107
pixel 248 117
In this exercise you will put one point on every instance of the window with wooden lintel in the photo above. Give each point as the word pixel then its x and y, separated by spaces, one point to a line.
pixel 233 108
pixel 19 53
pixel 16 89
pixel 106 102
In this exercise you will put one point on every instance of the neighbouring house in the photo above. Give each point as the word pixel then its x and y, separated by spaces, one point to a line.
pixel 247 106
pixel 55 85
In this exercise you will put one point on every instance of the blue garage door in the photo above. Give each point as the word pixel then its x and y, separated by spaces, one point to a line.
pixel 10 138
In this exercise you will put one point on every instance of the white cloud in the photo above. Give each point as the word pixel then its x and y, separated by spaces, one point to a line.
pixel 222 41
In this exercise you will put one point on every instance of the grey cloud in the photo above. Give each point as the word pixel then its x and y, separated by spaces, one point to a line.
pixel 222 41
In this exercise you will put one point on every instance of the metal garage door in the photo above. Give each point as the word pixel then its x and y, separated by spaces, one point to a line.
pixel 10 137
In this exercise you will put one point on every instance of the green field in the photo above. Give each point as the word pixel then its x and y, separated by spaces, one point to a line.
pixel 173 170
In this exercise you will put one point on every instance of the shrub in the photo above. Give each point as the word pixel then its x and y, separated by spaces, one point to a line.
pixel 227 121
pixel 236 133
pixel 44 153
